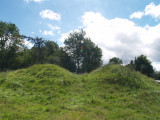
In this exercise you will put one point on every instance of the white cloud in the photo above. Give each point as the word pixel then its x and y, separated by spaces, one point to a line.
pixel 28 44
pixel 38 1
pixel 50 15
pixel 121 37
pixel 137 15
pixel 45 32
pixel 153 10
pixel 150 9
pixel 156 65
pixel 53 27
pixel 51 31
pixel 64 36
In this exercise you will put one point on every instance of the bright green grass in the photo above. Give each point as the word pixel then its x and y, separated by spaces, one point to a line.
pixel 49 92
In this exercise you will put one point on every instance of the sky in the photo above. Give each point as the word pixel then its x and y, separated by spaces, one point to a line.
pixel 121 28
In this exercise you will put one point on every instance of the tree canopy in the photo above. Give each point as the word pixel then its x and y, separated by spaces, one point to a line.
pixel 10 45
pixel 85 54
pixel 143 65
pixel 79 54
pixel 115 60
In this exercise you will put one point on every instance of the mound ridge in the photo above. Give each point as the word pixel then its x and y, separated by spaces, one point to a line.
pixel 50 92
pixel 46 70
pixel 38 78
pixel 117 74
pixel 109 74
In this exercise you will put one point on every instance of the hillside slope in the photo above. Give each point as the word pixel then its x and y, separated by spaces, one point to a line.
pixel 50 92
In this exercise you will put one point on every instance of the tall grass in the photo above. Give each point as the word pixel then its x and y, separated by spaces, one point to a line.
pixel 50 92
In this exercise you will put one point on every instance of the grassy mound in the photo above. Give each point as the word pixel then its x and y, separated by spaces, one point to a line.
pixel 116 74
pixel 51 92
pixel 37 77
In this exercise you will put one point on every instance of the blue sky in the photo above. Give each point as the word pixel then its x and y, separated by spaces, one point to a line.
pixel 122 28
pixel 26 15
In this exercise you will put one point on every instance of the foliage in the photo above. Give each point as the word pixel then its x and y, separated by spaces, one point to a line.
pixel 66 61
pixel 91 55
pixel 115 60
pixel 143 65
pixel 50 48
pixel 14 54
pixel 10 45
pixel 131 65
pixel 157 75
pixel 85 54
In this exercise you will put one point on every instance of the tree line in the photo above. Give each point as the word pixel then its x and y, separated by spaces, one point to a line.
pixel 79 54
pixel 141 64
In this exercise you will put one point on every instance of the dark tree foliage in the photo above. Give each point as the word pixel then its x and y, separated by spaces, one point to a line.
pixel 66 61
pixel 24 59
pixel 91 56
pixel 38 43
pixel 143 65
pixel 131 65
pixel 115 60
pixel 72 47
pixel 86 59
pixel 51 52
pixel 157 75
pixel 50 47
pixel 76 56
pixel 14 54
pixel 10 45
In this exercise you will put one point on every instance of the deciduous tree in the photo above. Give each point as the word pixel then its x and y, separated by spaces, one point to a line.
pixel 84 53
pixel 143 65
pixel 10 44
pixel 115 60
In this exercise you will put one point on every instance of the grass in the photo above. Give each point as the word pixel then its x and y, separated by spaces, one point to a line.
pixel 50 92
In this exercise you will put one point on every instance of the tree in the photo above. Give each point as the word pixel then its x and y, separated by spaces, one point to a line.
pixel 143 65
pixel 51 52
pixel 37 49
pixel 91 56
pixel 115 60
pixel 24 59
pixel 10 44
pixel 66 61
pixel 131 65
pixel 157 75
pixel 84 53
pixel 50 48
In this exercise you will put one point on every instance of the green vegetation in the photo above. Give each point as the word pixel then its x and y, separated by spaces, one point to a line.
pixel 79 54
pixel 143 65
pixel 85 54
pixel 115 60
pixel 112 92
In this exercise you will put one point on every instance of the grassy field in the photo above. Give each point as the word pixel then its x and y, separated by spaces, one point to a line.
pixel 49 92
